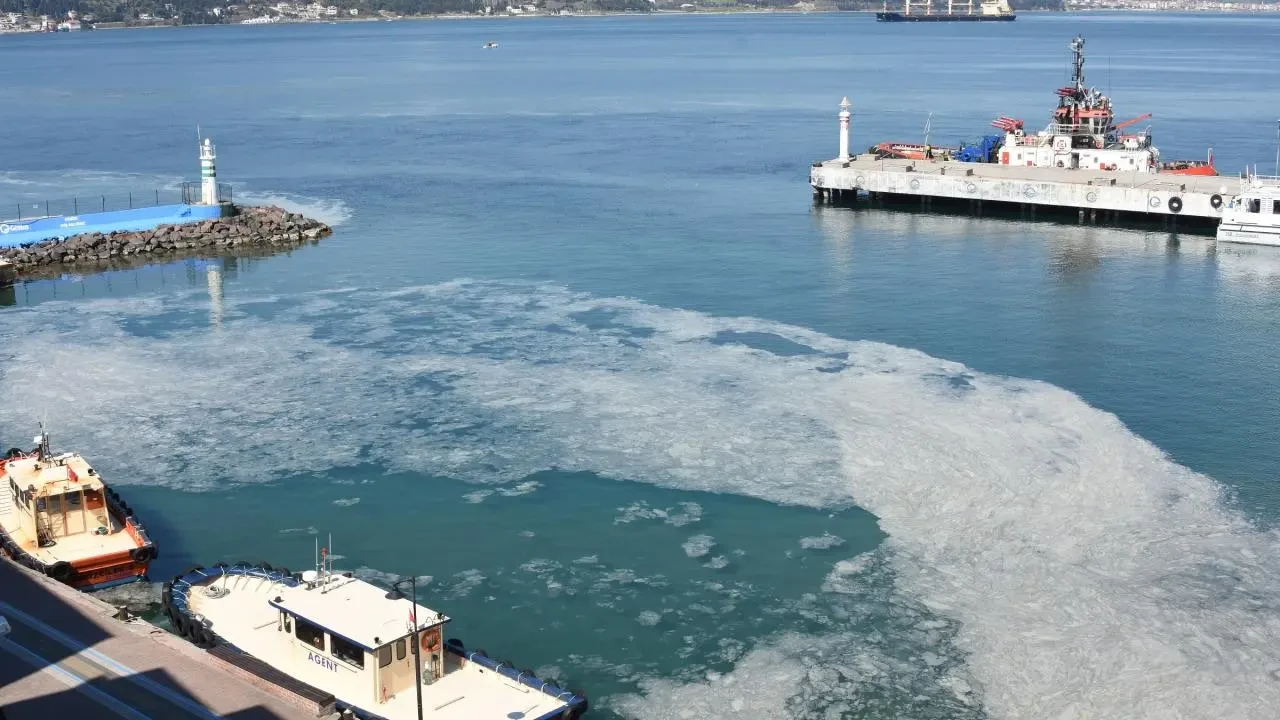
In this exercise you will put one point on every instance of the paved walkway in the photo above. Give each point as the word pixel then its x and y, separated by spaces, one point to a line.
pixel 68 657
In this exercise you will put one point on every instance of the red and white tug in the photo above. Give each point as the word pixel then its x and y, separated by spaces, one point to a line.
pixel 1083 135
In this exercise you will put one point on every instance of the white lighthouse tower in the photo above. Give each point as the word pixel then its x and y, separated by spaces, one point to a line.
pixel 208 175
pixel 844 130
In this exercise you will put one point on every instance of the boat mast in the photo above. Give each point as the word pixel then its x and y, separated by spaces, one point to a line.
pixel 42 444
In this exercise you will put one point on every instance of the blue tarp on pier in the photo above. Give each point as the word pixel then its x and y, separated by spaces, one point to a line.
pixel 22 232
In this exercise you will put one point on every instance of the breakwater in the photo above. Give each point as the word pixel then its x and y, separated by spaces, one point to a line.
pixel 243 228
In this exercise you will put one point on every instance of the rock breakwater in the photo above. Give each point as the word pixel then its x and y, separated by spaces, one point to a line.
pixel 256 227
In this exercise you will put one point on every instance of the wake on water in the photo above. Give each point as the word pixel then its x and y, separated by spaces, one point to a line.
pixel 1085 573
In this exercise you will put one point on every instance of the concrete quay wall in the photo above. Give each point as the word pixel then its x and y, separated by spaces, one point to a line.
pixel 1199 200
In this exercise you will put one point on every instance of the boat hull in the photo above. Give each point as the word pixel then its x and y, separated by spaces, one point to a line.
pixel 899 17
pixel 1249 234
pixel 1192 170
pixel 89 574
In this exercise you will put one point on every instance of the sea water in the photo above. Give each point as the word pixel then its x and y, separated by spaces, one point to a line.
pixel 583 358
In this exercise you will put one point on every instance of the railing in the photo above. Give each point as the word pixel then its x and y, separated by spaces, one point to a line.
pixel 188 193
pixel 192 193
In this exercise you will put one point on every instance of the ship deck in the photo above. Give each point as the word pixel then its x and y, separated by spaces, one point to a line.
pixel 82 546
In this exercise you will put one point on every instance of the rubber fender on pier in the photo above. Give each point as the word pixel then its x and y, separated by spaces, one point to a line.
pixel 140 554
pixel 1175 204
pixel 60 571
pixel 189 628
pixel 1215 201
pixel 456 645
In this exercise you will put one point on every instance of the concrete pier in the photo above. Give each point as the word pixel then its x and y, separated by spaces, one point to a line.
pixel 1189 202
pixel 68 657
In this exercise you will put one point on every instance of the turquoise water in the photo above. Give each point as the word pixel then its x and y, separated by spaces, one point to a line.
pixel 583 353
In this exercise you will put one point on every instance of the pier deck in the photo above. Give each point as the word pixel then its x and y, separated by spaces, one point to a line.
pixel 1190 201
pixel 67 656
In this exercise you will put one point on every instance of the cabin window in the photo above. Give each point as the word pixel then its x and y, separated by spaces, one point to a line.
pixel 1275 207
pixel 347 652
pixel 384 656
pixel 400 651
pixel 310 634
pixel 73 500
pixel 1255 205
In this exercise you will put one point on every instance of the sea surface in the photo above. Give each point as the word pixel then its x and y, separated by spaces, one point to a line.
pixel 583 356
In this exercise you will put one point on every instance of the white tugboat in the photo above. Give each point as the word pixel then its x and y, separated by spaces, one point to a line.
pixel 381 655
pixel 1253 216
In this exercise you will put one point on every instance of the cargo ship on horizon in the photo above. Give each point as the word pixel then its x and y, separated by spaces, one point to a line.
pixel 987 11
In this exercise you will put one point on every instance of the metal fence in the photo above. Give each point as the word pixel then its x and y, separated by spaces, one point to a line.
pixel 188 193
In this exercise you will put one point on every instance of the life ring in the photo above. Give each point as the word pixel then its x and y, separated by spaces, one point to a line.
pixel 1175 204
pixel 431 640
pixel 1216 201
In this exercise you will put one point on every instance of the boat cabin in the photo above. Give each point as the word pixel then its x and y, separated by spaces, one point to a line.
pixel 55 498
pixel 355 638
pixel 1258 198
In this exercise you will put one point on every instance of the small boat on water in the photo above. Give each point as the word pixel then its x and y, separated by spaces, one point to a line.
pixel 373 650
pixel 58 517
pixel 1253 216
pixel 490 45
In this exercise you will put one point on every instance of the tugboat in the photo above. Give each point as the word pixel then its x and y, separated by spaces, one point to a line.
pixel 380 654
pixel 1082 135
pixel 59 518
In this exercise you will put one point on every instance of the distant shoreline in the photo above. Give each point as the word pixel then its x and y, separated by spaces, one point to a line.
pixel 654 13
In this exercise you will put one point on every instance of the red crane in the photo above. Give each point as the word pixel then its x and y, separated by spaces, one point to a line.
pixel 1120 126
